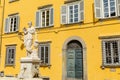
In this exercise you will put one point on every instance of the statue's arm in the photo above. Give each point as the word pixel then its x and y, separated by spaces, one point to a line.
pixel 25 30
pixel 32 30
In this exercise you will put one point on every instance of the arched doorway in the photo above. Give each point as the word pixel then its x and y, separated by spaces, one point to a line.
pixel 74 60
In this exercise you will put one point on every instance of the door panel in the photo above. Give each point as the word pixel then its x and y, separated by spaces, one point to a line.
pixel 74 64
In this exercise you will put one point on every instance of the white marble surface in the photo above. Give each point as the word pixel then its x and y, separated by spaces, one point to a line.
pixel 12 78
pixel 29 67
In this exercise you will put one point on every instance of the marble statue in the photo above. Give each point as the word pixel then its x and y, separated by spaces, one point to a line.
pixel 28 38
pixel 30 64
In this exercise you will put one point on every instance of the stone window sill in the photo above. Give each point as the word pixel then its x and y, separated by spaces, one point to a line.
pixel 110 66
pixel 11 1
pixel 45 65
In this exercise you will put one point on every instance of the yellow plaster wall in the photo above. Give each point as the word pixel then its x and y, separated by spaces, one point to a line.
pixel 90 31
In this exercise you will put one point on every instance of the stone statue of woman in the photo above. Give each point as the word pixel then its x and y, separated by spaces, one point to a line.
pixel 28 38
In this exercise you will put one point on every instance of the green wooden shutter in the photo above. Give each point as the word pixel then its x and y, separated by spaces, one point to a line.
pixel 64 14
pixel 38 19
pixel 98 9
pixel 71 64
pixel 51 16
pixel 79 63
pixel 81 10
pixel 118 7
pixel 17 22
pixel 103 53
pixel 6 25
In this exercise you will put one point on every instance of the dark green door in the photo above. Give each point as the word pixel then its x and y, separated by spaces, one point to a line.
pixel 74 64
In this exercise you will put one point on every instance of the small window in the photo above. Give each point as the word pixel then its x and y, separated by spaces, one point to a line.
pixel 11 24
pixel 111 53
pixel 72 12
pixel 44 54
pixel 107 8
pixel 44 17
pixel 10 55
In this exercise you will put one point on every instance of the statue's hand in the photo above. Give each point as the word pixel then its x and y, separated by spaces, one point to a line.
pixel 24 29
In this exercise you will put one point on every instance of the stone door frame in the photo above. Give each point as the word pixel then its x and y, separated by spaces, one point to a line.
pixel 84 56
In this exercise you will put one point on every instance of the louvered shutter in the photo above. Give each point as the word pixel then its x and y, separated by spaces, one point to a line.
pixel 38 19
pixel 81 10
pixel 119 50
pixel 103 52
pixel 98 8
pixel 118 7
pixel 64 14
pixel 70 63
pixel 17 22
pixel 6 25
pixel 7 54
pixel 51 16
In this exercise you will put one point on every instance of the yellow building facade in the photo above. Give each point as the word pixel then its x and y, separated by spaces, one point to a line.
pixel 78 39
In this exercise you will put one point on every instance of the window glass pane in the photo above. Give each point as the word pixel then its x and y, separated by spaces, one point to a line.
pixel 11 24
pixel 106 14
pixel 42 54
pixel 47 18
pixel 46 54
pixel 112 9
pixel 71 14
pixel 12 56
pixel 108 52
pixel 105 9
pixel 115 52
pixel 76 19
pixel 43 18
pixel 76 13
pixel 113 14
pixel 112 3
pixel 111 0
pixel 105 5
pixel 14 29
pixel 105 1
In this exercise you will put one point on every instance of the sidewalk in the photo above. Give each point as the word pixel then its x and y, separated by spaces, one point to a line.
pixel 12 78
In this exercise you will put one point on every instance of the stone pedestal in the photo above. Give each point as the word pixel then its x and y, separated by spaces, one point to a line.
pixel 29 68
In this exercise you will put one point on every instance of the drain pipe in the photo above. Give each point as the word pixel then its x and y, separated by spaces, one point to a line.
pixel 2 22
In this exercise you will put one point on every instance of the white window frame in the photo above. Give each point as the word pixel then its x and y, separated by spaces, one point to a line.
pixel 67 13
pixel 43 63
pixel 99 9
pixel 104 53
pixel 10 54
pixel 9 24
pixel 109 9
pixel 73 4
pixel 45 10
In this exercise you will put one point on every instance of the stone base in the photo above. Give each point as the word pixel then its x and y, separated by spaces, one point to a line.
pixel 12 78
pixel 29 68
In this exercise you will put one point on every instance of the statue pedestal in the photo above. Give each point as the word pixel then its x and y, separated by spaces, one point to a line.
pixel 29 68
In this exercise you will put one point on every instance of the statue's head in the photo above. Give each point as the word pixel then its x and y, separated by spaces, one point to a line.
pixel 30 24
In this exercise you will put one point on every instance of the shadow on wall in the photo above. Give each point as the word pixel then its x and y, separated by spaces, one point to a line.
pixel 22 46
